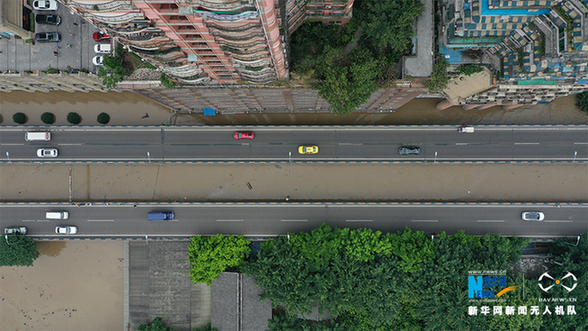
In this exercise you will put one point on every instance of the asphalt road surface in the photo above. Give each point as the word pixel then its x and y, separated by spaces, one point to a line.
pixel 273 144
pixel 267 219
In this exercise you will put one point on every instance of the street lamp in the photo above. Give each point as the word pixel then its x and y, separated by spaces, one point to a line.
pixel 575 153
pixel 149 157
pixel 577 242
pixel 8 156
pixel 435 160
pixel 290 157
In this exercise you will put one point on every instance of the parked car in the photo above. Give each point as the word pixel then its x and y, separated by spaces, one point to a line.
pixel 97 60
pixel 47 19
pixel 47 152
pixel 66 229
pixel 308 149
pixel 15 230
pixel 102 48
pixel 48 37
pixel 99 36
pixel 409 150
pixel 536 216
pixel 244 135
pixel 45 5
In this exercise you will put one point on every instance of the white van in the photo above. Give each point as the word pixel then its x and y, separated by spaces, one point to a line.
pixel 102 48
pixel 38 136
pixel 466 129
pixel 57 215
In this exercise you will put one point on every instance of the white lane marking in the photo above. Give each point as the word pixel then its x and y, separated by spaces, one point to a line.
pixel 294 220
pixel 359 220
pixel 350 144
pixel 458 144
pixel 100 220
pixel 526 143
pixel 425 221
pixel 69 144
pixel 581 143
pixel 9 144
pixel 30 221
pixel 559 221
pixel 490 221
pixel 229 220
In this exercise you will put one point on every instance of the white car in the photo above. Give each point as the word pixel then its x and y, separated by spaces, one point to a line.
pixel 97 60
pixel 16 230
pixel 45 5
pixel 47 152
pixel 102 48
pixel 66 229
pixel 536 216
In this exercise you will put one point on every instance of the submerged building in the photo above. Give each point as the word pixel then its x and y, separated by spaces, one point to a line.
pixel 211 41
pixel 537 49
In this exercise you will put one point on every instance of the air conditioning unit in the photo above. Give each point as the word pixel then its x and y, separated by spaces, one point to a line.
pixel 328 7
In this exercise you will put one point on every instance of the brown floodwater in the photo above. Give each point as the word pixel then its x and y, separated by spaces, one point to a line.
pixel 128 108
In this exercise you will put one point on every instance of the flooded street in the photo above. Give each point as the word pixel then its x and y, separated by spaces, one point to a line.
pixel 128 108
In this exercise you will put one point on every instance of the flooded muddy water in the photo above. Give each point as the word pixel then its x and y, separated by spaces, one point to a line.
pixel 128 108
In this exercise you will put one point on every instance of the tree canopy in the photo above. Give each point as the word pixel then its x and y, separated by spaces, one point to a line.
pixel 209 256
pixel 389 24
pixel 17 250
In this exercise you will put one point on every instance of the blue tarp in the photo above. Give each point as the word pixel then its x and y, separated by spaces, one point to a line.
pixel 209 112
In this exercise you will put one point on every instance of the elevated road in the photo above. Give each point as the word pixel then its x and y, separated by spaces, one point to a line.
pixel 280 144
pixel 267 219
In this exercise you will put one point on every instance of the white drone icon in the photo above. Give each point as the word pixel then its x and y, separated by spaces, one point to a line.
pixel 558 281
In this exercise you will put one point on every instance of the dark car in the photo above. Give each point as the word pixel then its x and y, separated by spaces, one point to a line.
pixel 409 150
pixel 47 37
pixel 47 19
pixel 244 135
pixel 99 36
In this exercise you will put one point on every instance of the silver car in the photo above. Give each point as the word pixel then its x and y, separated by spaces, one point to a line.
pixel 536 216
pixel 47 152
pixel 66 229
pixel 15 230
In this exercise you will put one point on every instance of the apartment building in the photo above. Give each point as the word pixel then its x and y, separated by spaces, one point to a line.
pixel 210 41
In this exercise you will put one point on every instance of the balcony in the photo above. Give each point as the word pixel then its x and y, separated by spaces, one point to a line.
pixel 238 37
pixel 116 19
pixel 233 27
pixel 121 5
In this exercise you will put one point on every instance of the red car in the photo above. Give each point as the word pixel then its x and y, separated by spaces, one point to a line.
pixel 243 135
pixel 99 36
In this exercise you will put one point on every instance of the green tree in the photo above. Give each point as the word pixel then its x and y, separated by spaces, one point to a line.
pixel 364 244
pixel 156 325
pixel 389 24
pixel 469 69
pixel 440 77
pixel 74 118
pixel 285 322
pixel 320 245
pixel 17 250
pixel 346 87
pixel 48 118
pixel 207 327
pixel 20 118
pixel 582 99
pixel 411 249
pixel 112 70
pixel 209 256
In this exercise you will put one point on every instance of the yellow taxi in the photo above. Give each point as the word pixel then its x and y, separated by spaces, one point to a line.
pixel 308 149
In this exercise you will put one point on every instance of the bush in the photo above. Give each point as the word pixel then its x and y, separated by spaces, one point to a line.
pixel 48 118
pixel 103 118
pixel 20 118
pixel 74 118
pixel 165 81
